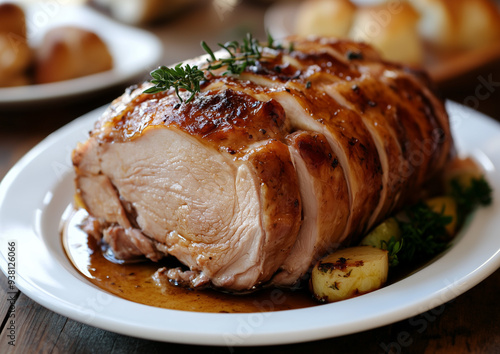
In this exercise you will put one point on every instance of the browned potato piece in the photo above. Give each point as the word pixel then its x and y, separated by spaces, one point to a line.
pixel 448 206
pixel 349 272
pixel 386 230
pixel 464 170
pixel 15 80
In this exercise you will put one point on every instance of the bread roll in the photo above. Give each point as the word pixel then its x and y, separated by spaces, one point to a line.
pixel 15 55
pixel 392 28
pixel 325 18
pixel 459 24
pixel 12 19
pixel 71 52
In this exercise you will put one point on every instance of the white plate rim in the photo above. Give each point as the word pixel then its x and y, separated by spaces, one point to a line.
pixel 45 276
pixel 145 59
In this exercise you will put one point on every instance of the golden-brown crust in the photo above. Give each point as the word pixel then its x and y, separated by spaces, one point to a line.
pixel 323 165
pixel 349 132
pixel 221 118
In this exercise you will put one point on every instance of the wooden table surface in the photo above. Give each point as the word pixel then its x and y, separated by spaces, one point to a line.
pixel 468 324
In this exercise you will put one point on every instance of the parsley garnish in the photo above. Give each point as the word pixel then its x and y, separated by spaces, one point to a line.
pixel 468 198
pixel 423 235
pixel 423 230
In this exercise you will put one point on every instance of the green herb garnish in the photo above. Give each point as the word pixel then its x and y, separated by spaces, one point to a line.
pixel 423 232
pixel 468 198
pixel 240 56
pixel 393 247
pixel 180 77
pixel 423 235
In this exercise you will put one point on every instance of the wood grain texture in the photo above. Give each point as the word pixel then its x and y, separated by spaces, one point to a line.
pixel 5 294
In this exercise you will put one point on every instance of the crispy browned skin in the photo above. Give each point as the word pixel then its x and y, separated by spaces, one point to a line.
pixel 263 173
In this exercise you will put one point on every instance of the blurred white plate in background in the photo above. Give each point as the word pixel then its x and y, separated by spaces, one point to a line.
pixel 135 52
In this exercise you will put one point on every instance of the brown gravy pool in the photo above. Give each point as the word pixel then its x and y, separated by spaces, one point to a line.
pixel 134 282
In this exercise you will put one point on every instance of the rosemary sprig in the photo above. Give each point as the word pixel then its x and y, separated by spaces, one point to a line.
pixel 240 56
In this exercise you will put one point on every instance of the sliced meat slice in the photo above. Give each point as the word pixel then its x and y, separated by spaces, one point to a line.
pixel 95 189
pixel 367 100
pixel 308 109
pixel 325 201
pixel 419 101
pixel 347 52
pixel 227 208
pixel 179 277
pixel 130 243
pixel 353 145
pixel 311 107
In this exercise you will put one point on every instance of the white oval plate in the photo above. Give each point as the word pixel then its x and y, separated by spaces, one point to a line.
pixel 36 191
pixel 135 52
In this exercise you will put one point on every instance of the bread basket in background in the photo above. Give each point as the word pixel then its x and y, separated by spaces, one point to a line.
pixel 447 37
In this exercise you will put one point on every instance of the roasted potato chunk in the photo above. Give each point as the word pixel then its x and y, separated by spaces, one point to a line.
pixel 382 233
pixel 349 272
pixel 447 206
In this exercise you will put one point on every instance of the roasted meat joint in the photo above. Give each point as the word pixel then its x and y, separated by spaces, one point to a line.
pixel 251 168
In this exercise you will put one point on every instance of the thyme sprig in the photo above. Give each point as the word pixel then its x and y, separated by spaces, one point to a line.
pixel 393 247
pixel 185 77
pixel 248 53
